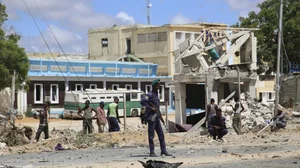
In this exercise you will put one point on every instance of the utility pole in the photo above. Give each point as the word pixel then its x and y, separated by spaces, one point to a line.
pixel 149 5
pixel 12 98
pixel 277 87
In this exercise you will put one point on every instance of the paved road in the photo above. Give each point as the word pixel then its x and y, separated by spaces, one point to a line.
pixel 193 157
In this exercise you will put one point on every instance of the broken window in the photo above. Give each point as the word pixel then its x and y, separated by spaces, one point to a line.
pixel 162 36
pixel 104 42
pixel 142 38
pixel 54 93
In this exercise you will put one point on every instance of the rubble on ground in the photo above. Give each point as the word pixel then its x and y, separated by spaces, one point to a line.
pixel 256 114
pixel 14 136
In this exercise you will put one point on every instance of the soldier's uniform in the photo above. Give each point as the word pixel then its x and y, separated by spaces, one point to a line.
pixel 152 98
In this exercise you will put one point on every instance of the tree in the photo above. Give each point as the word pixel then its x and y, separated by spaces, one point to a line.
pixel 12 57
pixel 267 22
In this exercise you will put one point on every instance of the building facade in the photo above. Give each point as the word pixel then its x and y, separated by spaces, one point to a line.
pixel 149 43
pixel 50 79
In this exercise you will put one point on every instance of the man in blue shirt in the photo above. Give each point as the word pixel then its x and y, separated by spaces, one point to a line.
pixel 151 103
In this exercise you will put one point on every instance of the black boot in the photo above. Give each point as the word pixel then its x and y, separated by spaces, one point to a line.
pixel 166 154
pixel 153 155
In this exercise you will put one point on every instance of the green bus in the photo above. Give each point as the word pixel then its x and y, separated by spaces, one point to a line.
pixel 73 99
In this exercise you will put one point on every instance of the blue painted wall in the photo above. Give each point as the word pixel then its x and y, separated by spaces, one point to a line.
pixel 48 67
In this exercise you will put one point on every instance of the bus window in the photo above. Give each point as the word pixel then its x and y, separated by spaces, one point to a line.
pixel 102 97
pixel 93 97
pixel 128 97
pixel 108 97
pixel 134 96
pixel 84 98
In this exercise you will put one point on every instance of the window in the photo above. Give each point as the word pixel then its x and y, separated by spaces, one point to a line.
pixel 178 35
pixel 270 96
pixel 94 98
pixel 260 95
pixel 134 96
pixel 142 38
pixel 128 98
pixel 102 98
pixel 54 93
pixel 78 87
pixel 104 42
pixel 148 88
pixel 108 97
pixel 128 87
pixel 152 37
pixel 115 86
pixel 93 86
pixel 188 35
pixel 38 93
pixel 161 93
pixel 162 36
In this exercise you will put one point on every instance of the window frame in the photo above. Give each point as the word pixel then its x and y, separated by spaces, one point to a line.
pixel 162 92
pixel 81 85
pixel 146 90
pixel 41 94
pixel 95 85
pixel 113 85
pixel 128 85
pixel 57 94
pixel 104 45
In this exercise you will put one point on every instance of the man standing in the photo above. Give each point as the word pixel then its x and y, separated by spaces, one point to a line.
pixel 44 119
pixel 87 117
pixel 113 116
pixel 211 109
pixel 236 120
pixel 101 119
pixel 217 125
pixel 151 103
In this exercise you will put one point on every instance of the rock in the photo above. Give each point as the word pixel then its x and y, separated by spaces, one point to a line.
pixel 2 145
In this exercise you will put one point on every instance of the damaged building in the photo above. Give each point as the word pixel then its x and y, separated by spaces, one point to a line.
pixel 200 77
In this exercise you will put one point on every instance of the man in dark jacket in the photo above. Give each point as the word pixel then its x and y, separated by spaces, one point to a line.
pixel 151 103
pixel 217 125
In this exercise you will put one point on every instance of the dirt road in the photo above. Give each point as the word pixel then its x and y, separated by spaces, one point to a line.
pixel 280 149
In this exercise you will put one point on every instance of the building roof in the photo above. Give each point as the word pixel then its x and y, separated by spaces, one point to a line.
pixel 195 25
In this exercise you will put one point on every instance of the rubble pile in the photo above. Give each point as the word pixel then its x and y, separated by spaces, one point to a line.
pixel 14 136
pixel 255 116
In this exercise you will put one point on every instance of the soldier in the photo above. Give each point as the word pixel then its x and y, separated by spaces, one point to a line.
pixel 151 103
pixel 44 119
pixel 87 117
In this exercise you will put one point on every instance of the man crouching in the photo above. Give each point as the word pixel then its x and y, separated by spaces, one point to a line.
pixel 217 125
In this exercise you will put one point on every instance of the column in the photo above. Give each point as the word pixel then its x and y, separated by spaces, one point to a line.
pixel 180 97
pixel 139 86
pixel 252 88
pixel 66 86
pixel 104 84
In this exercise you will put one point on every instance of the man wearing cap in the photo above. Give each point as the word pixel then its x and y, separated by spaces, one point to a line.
pixel 101 119
pixel 151 103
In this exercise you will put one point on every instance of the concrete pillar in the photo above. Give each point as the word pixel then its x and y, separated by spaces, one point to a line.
pixel 139 86
pixel 180 104
pixel 66 86
pixel 212 88
pixel 104 84
pixel 254 52
pixel 252 88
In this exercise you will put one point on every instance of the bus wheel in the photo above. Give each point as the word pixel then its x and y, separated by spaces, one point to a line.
pixel 134 113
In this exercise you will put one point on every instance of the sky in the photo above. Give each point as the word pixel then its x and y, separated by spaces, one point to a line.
pixel 70 20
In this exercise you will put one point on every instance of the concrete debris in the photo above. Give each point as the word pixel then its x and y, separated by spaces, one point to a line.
pixel 255 116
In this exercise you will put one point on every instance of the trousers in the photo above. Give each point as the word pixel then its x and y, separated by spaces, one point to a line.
pixel 42 128
pixel 156 125
pixel 113 125
pixel 88 126
pixel 237 123
pixel 220 133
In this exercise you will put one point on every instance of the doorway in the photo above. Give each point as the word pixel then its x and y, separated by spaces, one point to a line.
pixel 128 44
